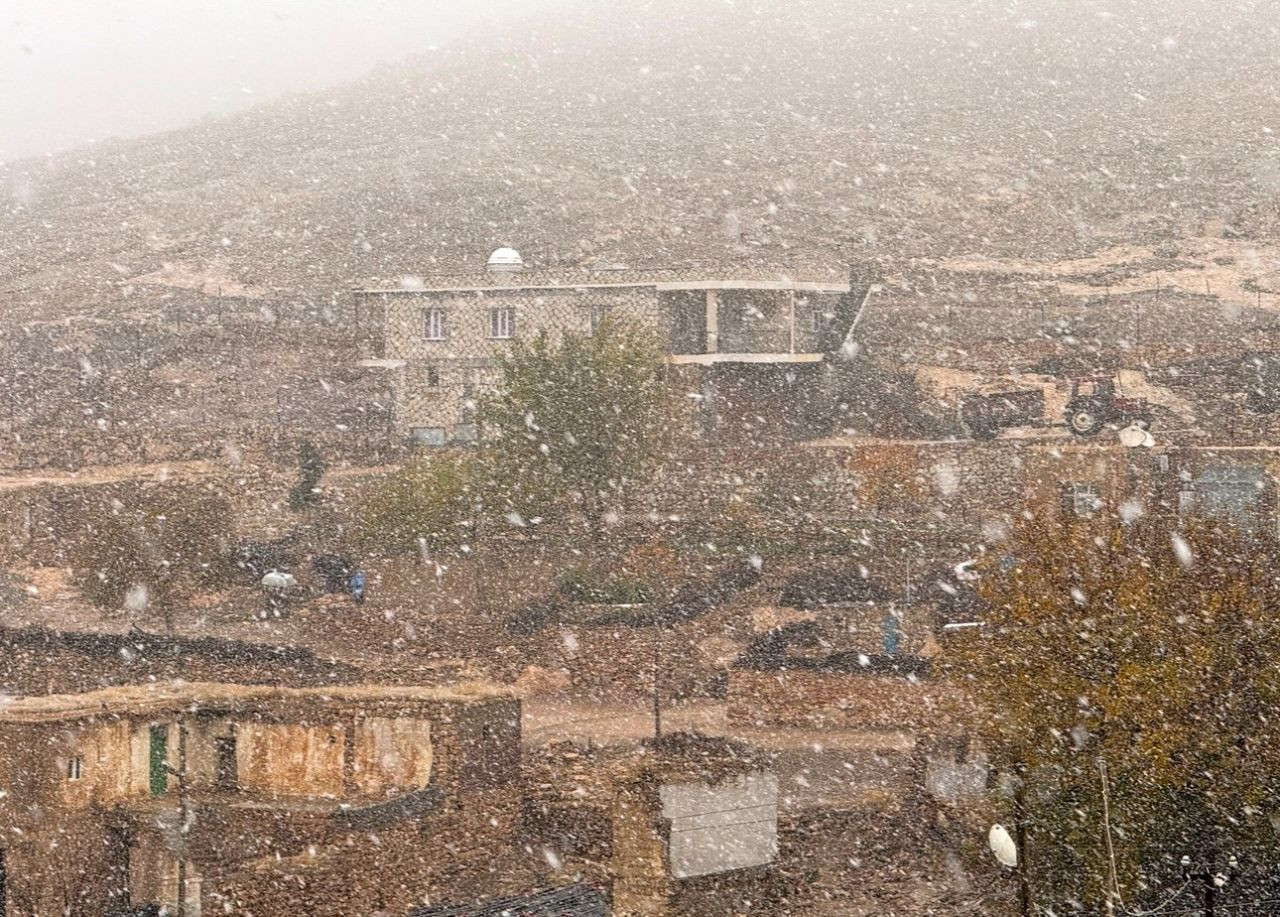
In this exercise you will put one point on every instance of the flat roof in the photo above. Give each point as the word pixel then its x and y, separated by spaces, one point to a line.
pixel 707 359
pixel 809 280
pixel 175 697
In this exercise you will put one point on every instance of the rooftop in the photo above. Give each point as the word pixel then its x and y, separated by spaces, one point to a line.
pixel 710 276
pixel 174 697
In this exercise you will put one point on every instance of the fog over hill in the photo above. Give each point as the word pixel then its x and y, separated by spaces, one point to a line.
pixel 666 132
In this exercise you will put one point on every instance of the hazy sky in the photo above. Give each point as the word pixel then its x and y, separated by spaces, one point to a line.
pixel 72 71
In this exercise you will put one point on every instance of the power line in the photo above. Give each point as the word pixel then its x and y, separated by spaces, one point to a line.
pixel 1159 907
pixel 731 824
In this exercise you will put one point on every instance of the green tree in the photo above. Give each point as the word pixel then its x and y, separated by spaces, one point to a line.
pixel 428 502
pixel 1151 652
pixel 583 418
pixel 311 468
pixel 152 554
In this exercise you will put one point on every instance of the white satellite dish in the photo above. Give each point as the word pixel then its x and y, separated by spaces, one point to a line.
pixel 1133 436
pixel 1003 846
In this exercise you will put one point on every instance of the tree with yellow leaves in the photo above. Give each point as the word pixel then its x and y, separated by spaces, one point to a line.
pixel 1136 661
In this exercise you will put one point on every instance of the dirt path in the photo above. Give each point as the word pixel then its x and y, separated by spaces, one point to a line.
pixel 110 474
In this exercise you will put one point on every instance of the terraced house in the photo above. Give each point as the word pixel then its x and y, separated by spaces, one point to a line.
pixel 736 338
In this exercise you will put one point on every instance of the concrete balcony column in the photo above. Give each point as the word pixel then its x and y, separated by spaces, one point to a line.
pixel 713 322
pixel 791 321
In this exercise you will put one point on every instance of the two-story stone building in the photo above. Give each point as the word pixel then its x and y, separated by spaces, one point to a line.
pixel 219 798
pixel 737 338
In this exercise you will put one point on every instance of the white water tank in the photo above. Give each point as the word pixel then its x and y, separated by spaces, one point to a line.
pixel 505 259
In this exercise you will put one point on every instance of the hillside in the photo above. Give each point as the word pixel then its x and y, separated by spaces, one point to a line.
pixel 1001 168
pixel 870 131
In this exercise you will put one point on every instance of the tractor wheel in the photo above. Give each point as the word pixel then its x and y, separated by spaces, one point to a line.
pixel 1085 418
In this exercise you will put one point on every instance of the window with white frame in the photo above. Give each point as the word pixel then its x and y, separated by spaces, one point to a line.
pixel 502 323
pixel 428 436
pixel 435 325
pixel 75 768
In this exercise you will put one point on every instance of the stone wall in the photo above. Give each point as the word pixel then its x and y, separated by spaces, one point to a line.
pixel 847 700
pixel 442 379
pixel 37 661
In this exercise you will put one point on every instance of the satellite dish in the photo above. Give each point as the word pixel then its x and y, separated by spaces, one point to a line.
pixel 1003 846
pixel 1134 436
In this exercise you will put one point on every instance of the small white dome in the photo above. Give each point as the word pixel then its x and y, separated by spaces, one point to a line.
pixel 505 259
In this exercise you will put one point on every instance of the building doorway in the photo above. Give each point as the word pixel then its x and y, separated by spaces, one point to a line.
pixel 226 776
pixel 159 758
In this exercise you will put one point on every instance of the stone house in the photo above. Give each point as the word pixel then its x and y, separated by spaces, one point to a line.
pixel 731 331
pixel 687 826
pixel 220 798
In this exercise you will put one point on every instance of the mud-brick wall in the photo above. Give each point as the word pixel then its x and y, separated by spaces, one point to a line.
pixel 787 698
pixel 76 765
pixel 919 486
pixel 462 854
pixel 64 863
pixel 642 883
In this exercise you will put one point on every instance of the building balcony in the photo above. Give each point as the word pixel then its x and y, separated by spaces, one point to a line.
pixel 760 324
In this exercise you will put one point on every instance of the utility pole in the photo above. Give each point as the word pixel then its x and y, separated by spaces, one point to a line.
pixel 279 425
pixel 184 815
pixel 1113 885
pixel 1022 839
pixel 657 675
pixel 1211 879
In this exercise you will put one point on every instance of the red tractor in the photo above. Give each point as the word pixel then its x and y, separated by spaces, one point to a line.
pixel 1094 404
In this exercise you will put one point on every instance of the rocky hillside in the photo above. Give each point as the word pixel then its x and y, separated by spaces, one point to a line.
pixel 671 131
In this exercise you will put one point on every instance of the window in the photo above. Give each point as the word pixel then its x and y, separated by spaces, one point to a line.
pixel 598 314
pixel 158 759
pixel 435 327
pixel 465 432
pixel 1082 500
pixel 1231 494
pixel 1186 498
pixel 502 323
pixel 75 768
pixel 427 436
pixel 433 376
